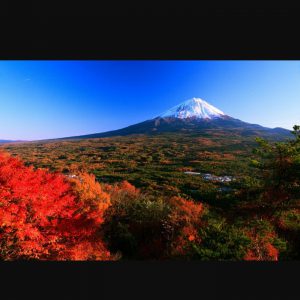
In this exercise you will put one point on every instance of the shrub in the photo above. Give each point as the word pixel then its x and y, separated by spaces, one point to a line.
pixel 144 227
pixel 219 241
pixel 265 244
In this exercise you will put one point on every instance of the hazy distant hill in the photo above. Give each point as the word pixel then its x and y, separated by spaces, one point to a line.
pixel 5 141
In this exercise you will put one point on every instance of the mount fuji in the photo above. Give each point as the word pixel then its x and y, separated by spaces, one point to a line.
pixel 194 116
pixel 193 108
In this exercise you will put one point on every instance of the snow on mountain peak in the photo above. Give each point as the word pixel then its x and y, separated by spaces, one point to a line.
pixel 194 107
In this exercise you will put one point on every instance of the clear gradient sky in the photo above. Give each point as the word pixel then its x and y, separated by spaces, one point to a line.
pixel 51 99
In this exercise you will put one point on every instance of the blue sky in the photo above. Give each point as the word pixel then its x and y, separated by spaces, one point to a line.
pixel 49 99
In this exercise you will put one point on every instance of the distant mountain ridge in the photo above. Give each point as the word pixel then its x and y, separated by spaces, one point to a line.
pixel 194 115
pixel 5 141
pixel 11 141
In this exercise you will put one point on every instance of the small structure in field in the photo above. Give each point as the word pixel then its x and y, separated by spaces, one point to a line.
pixel 212 177
pixel 192 173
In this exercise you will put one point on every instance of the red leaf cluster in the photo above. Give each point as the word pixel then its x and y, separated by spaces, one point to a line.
pixel 262 249
pixel 43 216
pixel 123 190
pixel 186 217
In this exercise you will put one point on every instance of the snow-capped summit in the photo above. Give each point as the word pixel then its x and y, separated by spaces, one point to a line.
pixel 196 108
pixel 196 117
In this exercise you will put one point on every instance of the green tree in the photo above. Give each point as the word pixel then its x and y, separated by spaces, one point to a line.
pixel 279 166
pixel 220 241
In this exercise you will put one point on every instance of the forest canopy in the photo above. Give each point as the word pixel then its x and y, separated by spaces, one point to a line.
pixel 77 214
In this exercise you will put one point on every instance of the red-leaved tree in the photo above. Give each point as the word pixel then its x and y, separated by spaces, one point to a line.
pixel 44 216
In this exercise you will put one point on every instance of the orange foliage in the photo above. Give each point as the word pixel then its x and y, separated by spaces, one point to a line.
pixel 94 201
pixel 88 251
pixel 228 156
pixel 41 217
pixel 122 190
pixel 262 249
pixel 186 217
pixel 185 169
pixel 206 142
pixel 185 210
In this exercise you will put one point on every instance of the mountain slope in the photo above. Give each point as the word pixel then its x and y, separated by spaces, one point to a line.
pixel 196 116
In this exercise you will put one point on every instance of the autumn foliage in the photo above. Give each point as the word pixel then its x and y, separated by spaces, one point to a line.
pixel 145 227
pixel 43 216
pixel 49 216
pixel 71 216
pixel 185 220
pixel 262 249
